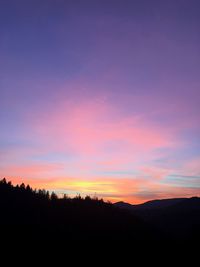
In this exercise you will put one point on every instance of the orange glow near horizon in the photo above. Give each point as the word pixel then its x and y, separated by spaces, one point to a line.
pixel 113 190
pixel 103 152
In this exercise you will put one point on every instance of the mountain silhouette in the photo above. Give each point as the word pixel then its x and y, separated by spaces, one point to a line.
pixel 152 204
pixel 178 218
pixel 33 214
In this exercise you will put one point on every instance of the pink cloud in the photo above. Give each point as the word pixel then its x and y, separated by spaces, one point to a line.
pixel 97 129
pixel 192 167
pixel 26 171
pixel 154 172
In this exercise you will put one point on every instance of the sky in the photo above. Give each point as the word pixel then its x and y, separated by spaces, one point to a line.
pixel 101 98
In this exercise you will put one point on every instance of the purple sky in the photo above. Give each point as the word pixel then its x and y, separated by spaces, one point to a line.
pixel 101 96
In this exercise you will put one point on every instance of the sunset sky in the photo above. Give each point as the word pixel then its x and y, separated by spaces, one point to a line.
pixel 101 97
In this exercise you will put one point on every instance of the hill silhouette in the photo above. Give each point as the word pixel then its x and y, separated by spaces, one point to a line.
pixel 177 218
pixel 31 214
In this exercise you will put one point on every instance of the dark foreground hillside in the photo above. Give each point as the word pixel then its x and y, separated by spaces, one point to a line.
pixel 26 213
pixel 29 214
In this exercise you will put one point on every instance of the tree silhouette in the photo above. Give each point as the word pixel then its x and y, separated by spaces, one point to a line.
pixel 54 196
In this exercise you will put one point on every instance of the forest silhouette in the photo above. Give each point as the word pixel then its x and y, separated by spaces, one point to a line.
pixel 29 214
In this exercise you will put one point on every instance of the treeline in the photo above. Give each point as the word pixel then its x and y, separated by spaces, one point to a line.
pixel 26 190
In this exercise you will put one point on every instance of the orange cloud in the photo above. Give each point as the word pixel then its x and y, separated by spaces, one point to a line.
pixel 130 190
pixel 106 188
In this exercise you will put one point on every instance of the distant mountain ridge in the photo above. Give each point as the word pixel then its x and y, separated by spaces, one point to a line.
pixel 153 204
pixel 178 217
